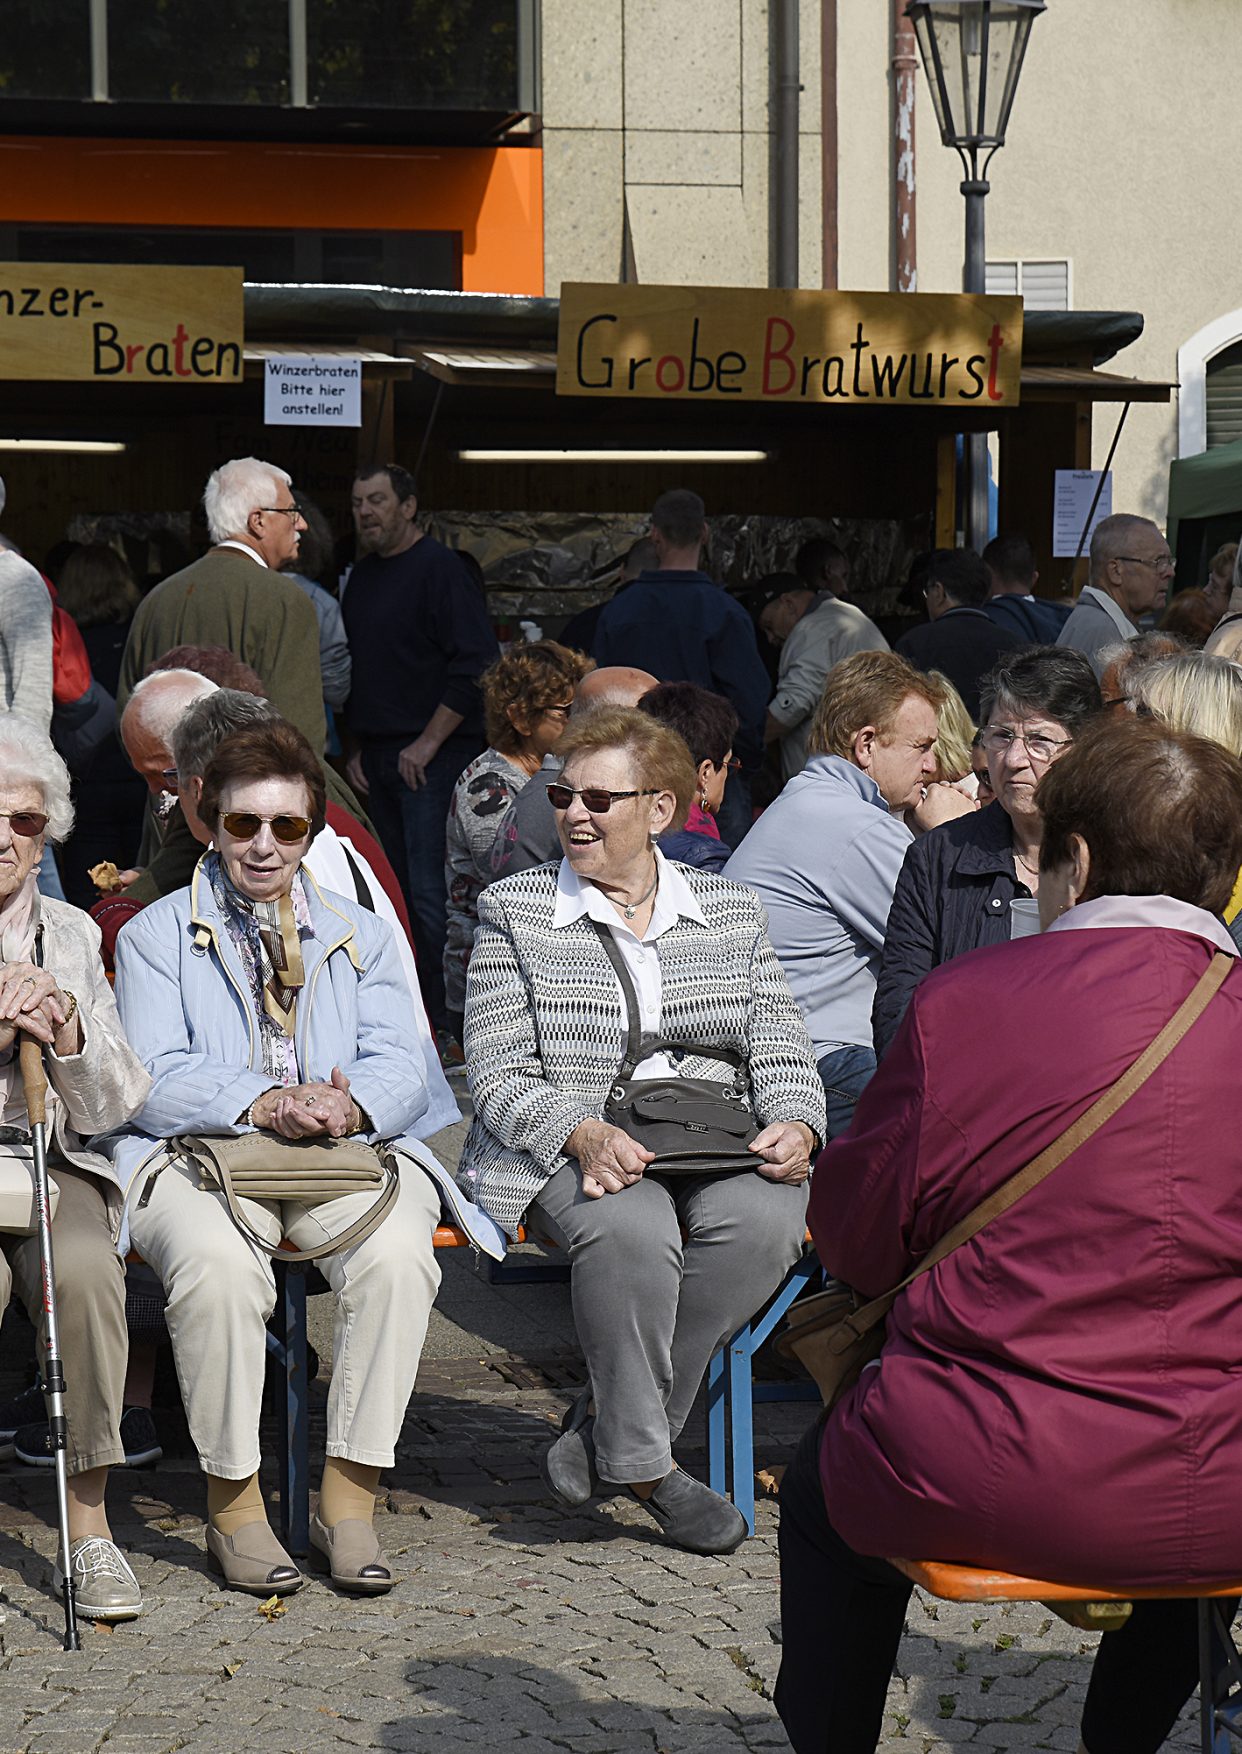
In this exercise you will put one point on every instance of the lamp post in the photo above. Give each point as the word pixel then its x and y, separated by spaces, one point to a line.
pixel 972 54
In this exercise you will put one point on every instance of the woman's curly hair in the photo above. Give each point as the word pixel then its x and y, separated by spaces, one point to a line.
pixel 525 681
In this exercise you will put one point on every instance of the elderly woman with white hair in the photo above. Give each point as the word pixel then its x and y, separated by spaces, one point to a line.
pixel 237 596
pixel 53 989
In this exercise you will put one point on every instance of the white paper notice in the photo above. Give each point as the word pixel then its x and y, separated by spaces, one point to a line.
pixel 312 390
pixel 1075 490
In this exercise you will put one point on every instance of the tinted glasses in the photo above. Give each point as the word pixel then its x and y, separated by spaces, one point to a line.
pixel 27 823
pixel 244 825
pixel 598 801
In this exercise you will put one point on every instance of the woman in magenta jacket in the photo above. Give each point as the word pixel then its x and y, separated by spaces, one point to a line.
pixel 1060 1397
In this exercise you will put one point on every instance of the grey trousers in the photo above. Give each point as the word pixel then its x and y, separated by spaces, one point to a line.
pixel 650 1308
pixel 90 1306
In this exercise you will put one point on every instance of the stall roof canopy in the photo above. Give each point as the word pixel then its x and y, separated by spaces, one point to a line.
pixel 513 321
pixel 1206 486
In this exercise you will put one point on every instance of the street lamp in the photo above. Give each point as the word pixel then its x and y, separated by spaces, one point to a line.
pixel 972 54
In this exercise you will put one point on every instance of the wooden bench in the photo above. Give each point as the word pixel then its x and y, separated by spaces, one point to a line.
pixel 1220 1669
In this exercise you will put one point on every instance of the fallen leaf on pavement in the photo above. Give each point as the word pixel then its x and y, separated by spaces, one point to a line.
pixel 768 1480
pixel 272 1609
pixel 229 1670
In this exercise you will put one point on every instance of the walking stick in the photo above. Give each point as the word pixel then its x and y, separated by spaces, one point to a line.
pixel 34 1087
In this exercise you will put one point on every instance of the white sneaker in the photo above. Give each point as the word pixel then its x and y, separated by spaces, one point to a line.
pixel 104 1587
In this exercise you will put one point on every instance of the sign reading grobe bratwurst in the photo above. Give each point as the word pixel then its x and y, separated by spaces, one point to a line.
pixel 111 323
pixel 864 349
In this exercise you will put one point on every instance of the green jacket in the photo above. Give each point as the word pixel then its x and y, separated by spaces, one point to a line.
pixel 227 599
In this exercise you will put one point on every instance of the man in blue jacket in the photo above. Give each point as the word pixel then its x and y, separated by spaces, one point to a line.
pixel 680 625
pixel 1013 603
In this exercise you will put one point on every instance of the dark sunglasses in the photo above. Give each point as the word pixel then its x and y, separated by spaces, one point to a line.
pixel 595 798
pixel 244 825
pixel 27 823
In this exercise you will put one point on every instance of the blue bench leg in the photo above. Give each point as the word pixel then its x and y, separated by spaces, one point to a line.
pixel 295 1415
pixel 716 1453
pixel 741 1431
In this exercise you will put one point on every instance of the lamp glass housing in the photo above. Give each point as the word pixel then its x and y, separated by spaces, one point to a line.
pixel 972 53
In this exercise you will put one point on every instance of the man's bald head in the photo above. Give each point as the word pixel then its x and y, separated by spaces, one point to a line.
pixel 151 714
pixel 614 685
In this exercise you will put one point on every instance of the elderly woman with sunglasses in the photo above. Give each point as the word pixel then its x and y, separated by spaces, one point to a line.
pixel 53 990
pixel 958 881
pixel 261 1003
pixel 664 1265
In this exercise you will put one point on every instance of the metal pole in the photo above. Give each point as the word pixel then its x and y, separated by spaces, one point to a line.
pixel 34 1086
pixel 974 279
pixel 788 86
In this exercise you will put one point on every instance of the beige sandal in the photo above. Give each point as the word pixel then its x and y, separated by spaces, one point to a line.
pixel 351 1552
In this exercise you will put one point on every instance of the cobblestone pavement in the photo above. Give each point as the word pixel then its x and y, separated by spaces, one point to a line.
pixel 514 1624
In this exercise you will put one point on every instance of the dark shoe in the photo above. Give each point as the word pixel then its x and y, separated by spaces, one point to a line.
pixel 32 1445
pixel 24 1409
pixel 104 1587
pixel 253 1560
pixel 139 1438
pixel 692 1516
pixel 351 1552
pixel 568 1465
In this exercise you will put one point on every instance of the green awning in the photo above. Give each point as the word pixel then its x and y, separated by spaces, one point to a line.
pixel 1206 486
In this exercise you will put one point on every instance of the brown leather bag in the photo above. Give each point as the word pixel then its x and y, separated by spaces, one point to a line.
pixel 834 1338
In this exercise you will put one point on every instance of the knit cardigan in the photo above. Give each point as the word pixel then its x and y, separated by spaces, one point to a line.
pixel 545 1026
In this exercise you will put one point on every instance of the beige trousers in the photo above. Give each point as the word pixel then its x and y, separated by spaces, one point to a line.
pixel 90 1307
pixel 221 1291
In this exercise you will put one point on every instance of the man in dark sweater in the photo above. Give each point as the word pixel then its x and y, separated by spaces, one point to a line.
pixel 420 638
pixel 680 625
pixel 959 640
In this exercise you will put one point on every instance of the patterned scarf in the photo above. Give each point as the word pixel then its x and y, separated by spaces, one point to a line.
pixel 266 937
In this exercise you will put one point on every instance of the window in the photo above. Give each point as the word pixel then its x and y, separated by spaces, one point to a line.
pixel 1224 396
pixel 1044 283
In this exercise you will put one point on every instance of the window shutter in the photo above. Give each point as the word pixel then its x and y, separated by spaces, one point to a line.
pixel 1224 397
pixel 1002 278
pixel 1045 286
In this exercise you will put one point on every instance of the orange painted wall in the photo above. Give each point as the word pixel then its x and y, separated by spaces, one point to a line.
pixel 493 196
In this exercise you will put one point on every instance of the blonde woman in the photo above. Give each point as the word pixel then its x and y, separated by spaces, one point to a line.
pixel 1196 693
pixel 955 732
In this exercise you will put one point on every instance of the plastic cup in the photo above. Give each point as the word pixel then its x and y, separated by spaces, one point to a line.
pixel 1024 917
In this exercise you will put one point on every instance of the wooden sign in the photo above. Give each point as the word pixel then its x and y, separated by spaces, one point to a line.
pixel 121 324
pixel 855 349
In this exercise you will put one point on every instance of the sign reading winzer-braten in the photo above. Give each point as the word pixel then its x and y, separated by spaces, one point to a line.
pixel 112 323
pixel 865 349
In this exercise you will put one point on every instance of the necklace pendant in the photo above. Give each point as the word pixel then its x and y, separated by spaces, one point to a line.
pixel 628 912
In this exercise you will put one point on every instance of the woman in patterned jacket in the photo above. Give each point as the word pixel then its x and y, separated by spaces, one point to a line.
pixel 664 1267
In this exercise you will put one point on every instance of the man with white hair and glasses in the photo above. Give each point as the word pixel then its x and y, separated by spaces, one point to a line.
pixel 236 596
pixel 1131 571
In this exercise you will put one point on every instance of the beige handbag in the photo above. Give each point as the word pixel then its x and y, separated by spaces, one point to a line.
pixel 833 1338
pixel 263 1166
pixel 18 1214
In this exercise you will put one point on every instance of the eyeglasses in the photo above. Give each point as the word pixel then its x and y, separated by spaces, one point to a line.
pixel 288 511
pixel 598 801
pixel 27 823
pixel 996 739
pixel 169 774
pixel 561 709
pixel 244 825
pixel 733 765
pixel 1165 562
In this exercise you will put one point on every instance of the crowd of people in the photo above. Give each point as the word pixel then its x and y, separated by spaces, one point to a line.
pixel 339 843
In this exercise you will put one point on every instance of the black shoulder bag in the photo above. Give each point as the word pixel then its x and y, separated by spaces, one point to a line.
pixel 694 1125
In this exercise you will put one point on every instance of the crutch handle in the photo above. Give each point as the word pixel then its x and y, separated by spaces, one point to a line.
pixel 34 1080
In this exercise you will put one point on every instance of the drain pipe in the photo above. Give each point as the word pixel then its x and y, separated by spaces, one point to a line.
pixel 904 67
pixel 787 86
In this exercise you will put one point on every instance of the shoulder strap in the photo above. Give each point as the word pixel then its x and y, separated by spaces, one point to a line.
pixel 633 1032
pixel 1010 1192
pixel 360 889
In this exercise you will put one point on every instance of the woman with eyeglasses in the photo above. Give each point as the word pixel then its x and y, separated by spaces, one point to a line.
pixel 957 882
pixel 261 1003
pixel 527 695
pixel 664 1265
pixel 53 990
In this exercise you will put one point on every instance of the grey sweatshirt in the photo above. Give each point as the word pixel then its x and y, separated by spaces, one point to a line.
pixel 25 641
pixel 829 631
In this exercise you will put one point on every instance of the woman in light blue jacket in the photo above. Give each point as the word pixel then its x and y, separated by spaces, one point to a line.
pixel 256 1001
